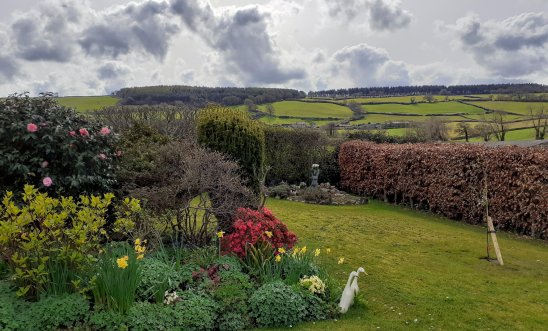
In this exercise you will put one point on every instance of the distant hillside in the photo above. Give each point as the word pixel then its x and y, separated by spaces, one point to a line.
pixel 518 89
pixel 200 96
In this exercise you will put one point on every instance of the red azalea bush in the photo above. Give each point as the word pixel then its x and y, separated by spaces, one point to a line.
pixel 252 226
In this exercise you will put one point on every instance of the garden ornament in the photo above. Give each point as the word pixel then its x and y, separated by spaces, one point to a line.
pixel 347 298
pixel 315 174
pixel 355 281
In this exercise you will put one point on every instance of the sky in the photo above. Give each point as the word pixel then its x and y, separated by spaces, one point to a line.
pixel 81 47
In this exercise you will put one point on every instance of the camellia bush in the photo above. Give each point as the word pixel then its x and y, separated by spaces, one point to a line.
pixel 251 227
pixel 54 148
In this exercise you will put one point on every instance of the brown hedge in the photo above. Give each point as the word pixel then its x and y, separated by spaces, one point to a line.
pixel 447 179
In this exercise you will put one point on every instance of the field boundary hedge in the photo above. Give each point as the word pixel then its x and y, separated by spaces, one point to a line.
pixel 448 179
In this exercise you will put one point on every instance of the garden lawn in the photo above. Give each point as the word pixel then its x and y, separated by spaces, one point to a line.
pixel 83 104
pixel 425 271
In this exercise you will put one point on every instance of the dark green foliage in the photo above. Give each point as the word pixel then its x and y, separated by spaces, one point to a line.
pixel 381 137
pixel 201 96
pixel 60 312
pixel 233 132
pixel 77 162
pixel 145 316
pixel 108 320
pixel 316 308
pixel 279 191
pixel 156 277
pixel 196 311
pixel 276 304
pixel 316 195
pixel 233 322
pixel 290 154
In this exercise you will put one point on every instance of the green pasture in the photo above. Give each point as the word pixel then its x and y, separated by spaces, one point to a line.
pixel 273 120
pixel 450 107
pixel 511 106
pixel 309 109
pixel 84 104
pixel 425 271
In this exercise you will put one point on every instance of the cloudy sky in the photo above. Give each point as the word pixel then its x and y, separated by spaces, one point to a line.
pixel 81 47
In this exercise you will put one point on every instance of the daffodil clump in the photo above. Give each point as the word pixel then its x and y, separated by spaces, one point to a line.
pixel 313 283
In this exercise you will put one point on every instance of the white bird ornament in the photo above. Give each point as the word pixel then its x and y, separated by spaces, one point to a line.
pixel 351 290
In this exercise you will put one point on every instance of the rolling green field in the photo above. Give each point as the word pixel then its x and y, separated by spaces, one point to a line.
pixel 279 121
pixel 309 109
pixel 425 271
pixel 450 107
pixel 511 106
pixel 84 104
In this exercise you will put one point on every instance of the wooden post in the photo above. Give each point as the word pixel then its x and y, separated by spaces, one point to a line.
pixel 493 233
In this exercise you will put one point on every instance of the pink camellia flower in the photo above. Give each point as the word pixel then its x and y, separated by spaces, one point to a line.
pixel 47 181
pixel 31 127
pixel 72 133
pixel 84 132
pixel 44 164
pixel 104 131
pixel 102 156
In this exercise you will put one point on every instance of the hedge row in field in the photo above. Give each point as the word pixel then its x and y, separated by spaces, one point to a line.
pixel 449 179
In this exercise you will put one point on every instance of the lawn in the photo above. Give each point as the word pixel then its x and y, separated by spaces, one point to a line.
pixel 309 109
pixel 425 108
pixel 84 104
pixel 510 106
pixel 425 271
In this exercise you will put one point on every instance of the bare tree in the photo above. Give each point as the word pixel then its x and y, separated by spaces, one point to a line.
pixel 270 109
pixel 434 129
pixel 498 126
pixel 539 118
pixel 464 129
pixel 413 100
pixel 484 130
pixel 331 129
pixel 429 98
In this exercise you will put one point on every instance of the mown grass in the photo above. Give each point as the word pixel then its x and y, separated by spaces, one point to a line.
pixel 309 109
pixel 425 272
pixel 450 107
pixel 84 104
pixel 511 106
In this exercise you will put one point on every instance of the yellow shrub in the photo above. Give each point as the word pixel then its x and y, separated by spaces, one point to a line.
pixel 43 228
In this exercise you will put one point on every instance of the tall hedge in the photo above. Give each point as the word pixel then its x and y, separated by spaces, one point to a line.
pixel 448 179
pixel 290 154
pixel 233 132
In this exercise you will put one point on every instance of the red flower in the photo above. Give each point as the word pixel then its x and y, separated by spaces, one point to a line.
pixel 84 132
pixel 250 226
pixel 31 127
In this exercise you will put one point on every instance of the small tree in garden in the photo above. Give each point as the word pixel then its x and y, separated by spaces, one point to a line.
pixel 54 148
pixel 233 132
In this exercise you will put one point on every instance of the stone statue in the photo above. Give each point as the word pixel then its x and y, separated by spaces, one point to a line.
pixel 315 174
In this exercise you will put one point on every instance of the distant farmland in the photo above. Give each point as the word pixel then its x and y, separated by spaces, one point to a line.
pixel 84 104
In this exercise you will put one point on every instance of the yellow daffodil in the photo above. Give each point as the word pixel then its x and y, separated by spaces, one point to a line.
pixel 137 242
pixel 303 250
pixel 220 234
pixel 278 258
pixel 268 234
pixel 140 257
pixel 281 250
pixel 295 251
pixel 140 249
pixel 122 262
pixel 341 260
pixel 328 250
pixel 317 252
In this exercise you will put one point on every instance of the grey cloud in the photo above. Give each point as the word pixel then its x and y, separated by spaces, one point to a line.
pixel 143 27
pixel 381 15
pixel 370 66
pixel 112 70
pixel 241 36
pixel 513 47
pixel 387 16
pixel 8 67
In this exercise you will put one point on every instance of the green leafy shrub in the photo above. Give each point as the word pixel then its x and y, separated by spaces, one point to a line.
pixel 196 311
pixel 145 316
pixel 118 276
pixel 276 304
pixel 233 321
pixel 11 308
pixel 233 132
pixel 54 148
pixel 317 195
pixel 43 228
pixel 53 313
pixel 156 278
pixel 281 191
pixel 315 307
pixel 108 320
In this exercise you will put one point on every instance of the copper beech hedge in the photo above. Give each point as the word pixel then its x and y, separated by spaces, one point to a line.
pixel 448 179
